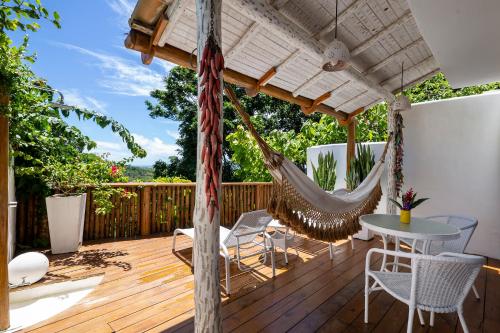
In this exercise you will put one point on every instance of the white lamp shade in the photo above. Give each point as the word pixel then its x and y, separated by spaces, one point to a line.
pixel 27 268
pixel 336 56
pixel 402 103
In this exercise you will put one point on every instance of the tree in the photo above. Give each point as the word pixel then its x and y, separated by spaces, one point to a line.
pixel 177 101
pixel 160 169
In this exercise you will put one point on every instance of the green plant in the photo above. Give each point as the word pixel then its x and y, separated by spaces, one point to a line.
pixel 360 166
pixel 326 174
pixel 408 201
pixel 171 180
pixel 84 172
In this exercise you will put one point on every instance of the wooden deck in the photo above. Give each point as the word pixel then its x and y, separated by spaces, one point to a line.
pixel 148 288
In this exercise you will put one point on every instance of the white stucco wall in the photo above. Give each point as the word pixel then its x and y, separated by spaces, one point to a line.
pixel 452 155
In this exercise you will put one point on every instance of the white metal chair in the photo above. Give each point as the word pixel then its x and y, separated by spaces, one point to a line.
pixel 436 283
pixel 467 225
pixel 244 233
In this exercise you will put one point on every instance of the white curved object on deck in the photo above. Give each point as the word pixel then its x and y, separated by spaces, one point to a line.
pixel 27 269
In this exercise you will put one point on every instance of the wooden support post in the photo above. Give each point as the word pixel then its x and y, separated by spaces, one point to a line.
pixel 206 220
pixel 4 225
pixel 145 215
pixel 351 143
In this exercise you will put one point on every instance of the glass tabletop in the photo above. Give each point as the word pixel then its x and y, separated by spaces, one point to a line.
pixel 418 228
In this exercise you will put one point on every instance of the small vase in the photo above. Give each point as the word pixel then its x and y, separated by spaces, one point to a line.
pixel 405 216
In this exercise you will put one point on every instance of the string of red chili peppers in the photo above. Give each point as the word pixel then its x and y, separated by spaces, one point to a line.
pixel 211 64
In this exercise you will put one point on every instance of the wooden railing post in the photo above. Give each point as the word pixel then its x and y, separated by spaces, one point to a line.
pixel 145 204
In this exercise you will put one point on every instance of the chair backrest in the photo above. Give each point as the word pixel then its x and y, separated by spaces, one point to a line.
pixel 248 222
pixel 466 224
pixel 443 281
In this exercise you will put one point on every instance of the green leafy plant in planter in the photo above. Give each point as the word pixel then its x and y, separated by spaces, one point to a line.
pixel 360 166
pixel 87 172
pixel 325 175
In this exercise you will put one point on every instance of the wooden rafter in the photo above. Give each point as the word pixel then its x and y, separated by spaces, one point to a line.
pixel 288 61
pixel 317 101
pixel 266 77
pixel 247 37
pixel 279 4
pixel 139 41
pixel 401 53
pixel 174 13
pixel 147 57
pixel 381 34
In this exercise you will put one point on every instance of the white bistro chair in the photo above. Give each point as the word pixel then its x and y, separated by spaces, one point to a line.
pixel 467 225
pixel 282 238
pixel 436 283
pixel 243 235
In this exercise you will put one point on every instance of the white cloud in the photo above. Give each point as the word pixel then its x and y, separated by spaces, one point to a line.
pixel 123 8
pixel 76 98
pixel 173 134
pixel 122 76
pixel 155 147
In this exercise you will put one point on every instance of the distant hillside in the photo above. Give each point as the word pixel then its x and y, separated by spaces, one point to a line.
pixel 139 173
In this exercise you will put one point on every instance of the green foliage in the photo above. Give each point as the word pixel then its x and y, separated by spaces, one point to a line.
pixel 171 180
pixel 326 173
pixel 139 173
pixel 161 169
pixel 408 200
pixel 178 102
pixel 360 166
pixel 86 171
pixel 24 15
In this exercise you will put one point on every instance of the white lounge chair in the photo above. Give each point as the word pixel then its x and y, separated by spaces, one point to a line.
pixel 244 232
pixel 436 283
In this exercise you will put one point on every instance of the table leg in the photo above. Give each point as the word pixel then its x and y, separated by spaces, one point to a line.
pixel 396 258
pixel 384 259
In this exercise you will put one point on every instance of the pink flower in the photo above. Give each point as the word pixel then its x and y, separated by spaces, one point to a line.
pixel 114 170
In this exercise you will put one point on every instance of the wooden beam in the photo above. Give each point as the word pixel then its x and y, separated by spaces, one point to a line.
pixel 147 58
pixel 317 101
pixel 418 80
pixel 351 143
pixel 4 223
pixel 350 100
pixel 381 34
pixel 355 113
pixel 174 13
pixel 279 4
pixel 353 8
pixel 266 77
pixel 139 42
pixel 247 37
pixel 288 61
pixel 395 56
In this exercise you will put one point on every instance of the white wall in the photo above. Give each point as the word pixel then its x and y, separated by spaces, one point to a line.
pixel 11 240
pixel 452 155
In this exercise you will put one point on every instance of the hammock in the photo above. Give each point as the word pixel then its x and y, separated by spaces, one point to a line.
pixel 302 205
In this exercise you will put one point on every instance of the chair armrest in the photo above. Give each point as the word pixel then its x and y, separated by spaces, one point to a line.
pixel 237 235
pixel 390 253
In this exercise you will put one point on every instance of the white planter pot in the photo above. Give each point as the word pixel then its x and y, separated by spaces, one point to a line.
pixel 66 217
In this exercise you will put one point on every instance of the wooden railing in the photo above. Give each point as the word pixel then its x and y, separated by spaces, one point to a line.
pixel 157 208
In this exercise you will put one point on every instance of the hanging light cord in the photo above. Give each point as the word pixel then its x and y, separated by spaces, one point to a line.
pixel 402 66
pixel 336 12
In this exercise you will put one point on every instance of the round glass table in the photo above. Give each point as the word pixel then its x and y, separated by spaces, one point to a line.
pixel 419 229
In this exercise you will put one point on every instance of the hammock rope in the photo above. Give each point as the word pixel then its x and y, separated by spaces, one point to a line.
pixel 305 207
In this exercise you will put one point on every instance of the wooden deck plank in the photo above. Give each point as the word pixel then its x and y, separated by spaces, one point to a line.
pixel 146 287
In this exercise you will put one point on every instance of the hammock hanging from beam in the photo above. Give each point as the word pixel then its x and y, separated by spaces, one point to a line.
pixel 302 205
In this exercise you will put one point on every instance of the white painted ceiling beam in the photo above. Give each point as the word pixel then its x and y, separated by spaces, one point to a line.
pixel 418 80
pixel 396 56
pixel 309 83
pixel 339 107
pixel 278 4
pixel 247 37
pixel 265 14
pixel 429 61
pixel 174 13
pixel 288 61
pixel 353 8
pixel 381 34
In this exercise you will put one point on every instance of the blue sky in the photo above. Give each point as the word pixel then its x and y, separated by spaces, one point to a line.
pixel 87 61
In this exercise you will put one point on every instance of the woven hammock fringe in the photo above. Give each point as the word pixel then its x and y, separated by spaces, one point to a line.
pixel 288 206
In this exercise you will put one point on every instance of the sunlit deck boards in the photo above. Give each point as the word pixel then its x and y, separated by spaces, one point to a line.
pixel 147 288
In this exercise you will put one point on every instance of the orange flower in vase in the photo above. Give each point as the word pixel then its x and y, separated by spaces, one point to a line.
pixel 408 202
